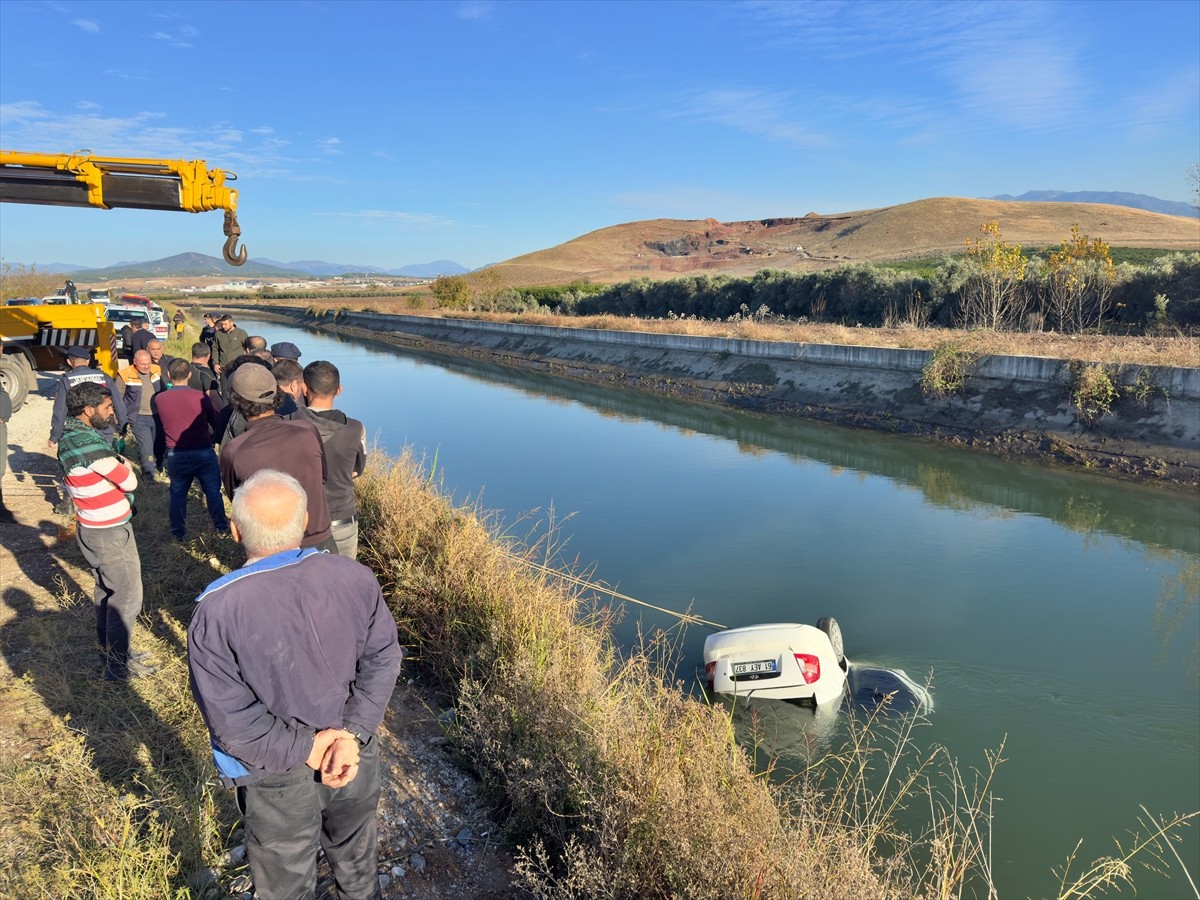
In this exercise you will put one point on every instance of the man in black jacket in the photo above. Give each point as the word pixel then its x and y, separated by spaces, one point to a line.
pixel 345 441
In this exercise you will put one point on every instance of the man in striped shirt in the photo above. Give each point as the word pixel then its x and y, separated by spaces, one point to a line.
pixel 101 486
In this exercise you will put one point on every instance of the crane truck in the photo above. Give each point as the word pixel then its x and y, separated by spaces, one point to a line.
pixel 34 336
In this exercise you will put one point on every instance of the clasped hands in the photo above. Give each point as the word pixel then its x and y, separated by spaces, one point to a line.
pixel 335 755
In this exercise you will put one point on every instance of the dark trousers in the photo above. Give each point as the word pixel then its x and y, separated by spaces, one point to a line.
pixel 184 466
pixel 146 431
pixel 288 815
pixel 112 554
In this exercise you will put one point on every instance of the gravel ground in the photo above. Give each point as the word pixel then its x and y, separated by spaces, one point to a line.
pixel 435 838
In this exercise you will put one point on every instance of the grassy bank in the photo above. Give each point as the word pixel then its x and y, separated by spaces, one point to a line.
pixel 1109 349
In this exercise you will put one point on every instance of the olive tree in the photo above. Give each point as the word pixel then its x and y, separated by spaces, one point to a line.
pixel 451 291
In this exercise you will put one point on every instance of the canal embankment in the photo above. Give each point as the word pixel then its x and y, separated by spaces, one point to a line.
pixel 1016 406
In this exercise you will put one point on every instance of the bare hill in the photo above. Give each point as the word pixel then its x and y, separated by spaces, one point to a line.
pixel 669 248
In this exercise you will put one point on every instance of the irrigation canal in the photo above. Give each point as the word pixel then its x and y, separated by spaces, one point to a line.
pixel 1055 609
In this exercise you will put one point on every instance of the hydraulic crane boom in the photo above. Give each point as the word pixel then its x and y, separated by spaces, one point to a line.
pixel 81 179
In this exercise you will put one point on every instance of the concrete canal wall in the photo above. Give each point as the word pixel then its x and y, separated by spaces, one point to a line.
pixel 1014 404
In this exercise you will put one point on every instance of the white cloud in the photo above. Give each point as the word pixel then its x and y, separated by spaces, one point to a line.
pixel 330 146
pixel 474 10
pixel 87 105
pixel 1162 107
pixel 1011 64
pixel 775 115
pixel 87 25
pixel 180 36
pixel 149 134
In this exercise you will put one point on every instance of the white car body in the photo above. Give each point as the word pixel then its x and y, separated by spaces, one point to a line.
pixel 158 322
pixel 783 661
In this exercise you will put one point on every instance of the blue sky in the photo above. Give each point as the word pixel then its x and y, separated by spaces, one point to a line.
pixel 392 133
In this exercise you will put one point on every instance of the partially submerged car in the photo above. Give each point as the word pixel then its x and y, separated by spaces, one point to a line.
pixel 800 663
pixel 783 661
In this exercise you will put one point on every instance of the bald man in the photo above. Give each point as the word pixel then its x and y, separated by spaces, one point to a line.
pixel 138 383
pixel 293 659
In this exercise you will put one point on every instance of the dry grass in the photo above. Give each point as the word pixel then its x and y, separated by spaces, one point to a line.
pixel 115 795
pixel 1118 350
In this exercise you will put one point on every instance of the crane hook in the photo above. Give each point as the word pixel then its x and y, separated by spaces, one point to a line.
pixel 233 231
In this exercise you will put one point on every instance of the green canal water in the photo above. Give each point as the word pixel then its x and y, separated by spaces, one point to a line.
pixel 1054 611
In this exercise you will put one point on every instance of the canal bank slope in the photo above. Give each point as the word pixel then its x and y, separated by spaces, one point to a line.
pixel 1009 405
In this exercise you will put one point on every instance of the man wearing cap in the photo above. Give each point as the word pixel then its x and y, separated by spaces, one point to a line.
pixel 284 350
pixel 187 421
pixel 79 362
pixel 208 334
pixel 269 442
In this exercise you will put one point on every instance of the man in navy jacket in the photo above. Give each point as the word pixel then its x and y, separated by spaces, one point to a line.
pixel 293 659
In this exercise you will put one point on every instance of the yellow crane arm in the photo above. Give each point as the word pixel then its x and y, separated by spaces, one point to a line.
pixel 81 179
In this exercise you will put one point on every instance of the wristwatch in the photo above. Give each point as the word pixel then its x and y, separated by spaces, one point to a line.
pixel 359 735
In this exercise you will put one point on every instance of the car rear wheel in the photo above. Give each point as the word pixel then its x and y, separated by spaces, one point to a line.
pixel 833 631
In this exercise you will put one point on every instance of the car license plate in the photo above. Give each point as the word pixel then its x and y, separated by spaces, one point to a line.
pixel 756 667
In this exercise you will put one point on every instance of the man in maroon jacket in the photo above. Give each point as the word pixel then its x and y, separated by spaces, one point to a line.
pixel 269 442
pixel 187 420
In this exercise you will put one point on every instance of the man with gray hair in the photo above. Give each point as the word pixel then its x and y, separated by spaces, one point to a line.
pixel 293 659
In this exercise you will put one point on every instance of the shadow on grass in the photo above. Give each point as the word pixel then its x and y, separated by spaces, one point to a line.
pixel 145 758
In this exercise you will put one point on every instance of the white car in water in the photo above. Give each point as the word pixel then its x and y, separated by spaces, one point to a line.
pixel 783 661
pixel 806 665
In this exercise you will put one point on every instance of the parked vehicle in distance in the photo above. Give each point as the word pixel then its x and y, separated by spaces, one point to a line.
pixel 120 316
pixel 24 301
pixel 56 300
pixel 99 295
pixel 784 661
pixel 158 322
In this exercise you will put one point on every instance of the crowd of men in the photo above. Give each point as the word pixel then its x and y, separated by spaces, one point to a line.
pixel 293 656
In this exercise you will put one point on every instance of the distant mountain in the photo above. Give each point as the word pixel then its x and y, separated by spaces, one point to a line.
pixel 431 269
pixel 325 269
pixel 1116 198
pixel 61 268
pixel 320 267
pixel 200 264
pixel 188 264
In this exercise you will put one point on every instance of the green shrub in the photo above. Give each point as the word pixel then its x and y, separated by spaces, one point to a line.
pixel 947 370
pixel 1093 391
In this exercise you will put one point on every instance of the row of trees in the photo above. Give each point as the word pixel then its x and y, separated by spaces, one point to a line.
pixel 995 285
